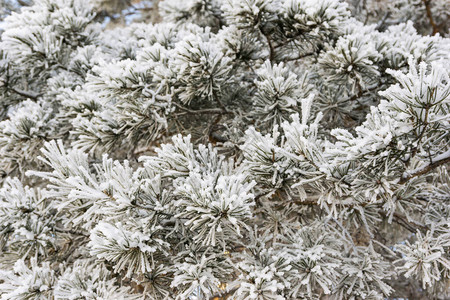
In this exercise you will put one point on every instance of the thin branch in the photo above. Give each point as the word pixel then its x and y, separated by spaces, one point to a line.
pixel 152 209
pixel 272 53
pixel 70 231
pixel 381 23
pixel 430 16
pixel 300 56
pixel 434 163
pixel 361 93
pixel 402 221
pixel 219 102
pixel 26 94
pixel 398 218
pixel 269 42
pixel 143 150
pixel 250 67
pixel 199 111
pixel 223 296
pixel 405 219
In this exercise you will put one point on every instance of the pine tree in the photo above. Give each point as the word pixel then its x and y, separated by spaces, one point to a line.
pixel 238 149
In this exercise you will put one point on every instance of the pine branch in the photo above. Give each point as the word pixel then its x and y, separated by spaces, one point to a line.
pixel 434 163
pixel 405 223
pixel 27 94
pixel 152 209
pixel 269 42
pixel 70 231
pixel 219 102
pixel 199 111
pixel 301 56
pixel 361 93
pixel 381 23
pixel 223 296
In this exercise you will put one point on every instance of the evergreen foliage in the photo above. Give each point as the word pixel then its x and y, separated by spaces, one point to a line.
pixel 240 149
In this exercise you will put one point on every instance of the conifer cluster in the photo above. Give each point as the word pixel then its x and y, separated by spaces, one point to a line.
pixel 238 149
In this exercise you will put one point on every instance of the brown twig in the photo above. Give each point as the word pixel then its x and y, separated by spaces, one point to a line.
pixel 219 102
pixel 269 42
pixel 430 16
pixel 223 296
pixel 434 163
